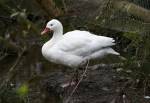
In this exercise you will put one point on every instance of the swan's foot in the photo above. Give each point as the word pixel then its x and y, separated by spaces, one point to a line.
pixel 68 84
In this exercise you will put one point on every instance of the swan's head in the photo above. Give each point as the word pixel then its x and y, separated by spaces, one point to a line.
pixel 53 25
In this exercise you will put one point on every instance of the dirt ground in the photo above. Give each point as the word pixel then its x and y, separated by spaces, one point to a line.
pixel 101 85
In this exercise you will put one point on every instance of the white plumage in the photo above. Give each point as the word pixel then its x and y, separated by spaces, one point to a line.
pixel 74 47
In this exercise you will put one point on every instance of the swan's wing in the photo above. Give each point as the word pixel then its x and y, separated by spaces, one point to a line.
pixel 83 43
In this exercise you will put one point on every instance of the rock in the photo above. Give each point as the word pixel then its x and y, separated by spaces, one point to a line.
pixel 97 87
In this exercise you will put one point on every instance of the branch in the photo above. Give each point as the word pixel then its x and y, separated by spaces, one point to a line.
pixel 132 9
pixel 7 19
pixel 9 45
pixel 3 56
pixel 12 71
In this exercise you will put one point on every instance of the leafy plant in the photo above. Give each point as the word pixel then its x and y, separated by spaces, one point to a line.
pixel 138 61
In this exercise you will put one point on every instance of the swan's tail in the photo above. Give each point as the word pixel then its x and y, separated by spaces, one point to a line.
pixel 112 51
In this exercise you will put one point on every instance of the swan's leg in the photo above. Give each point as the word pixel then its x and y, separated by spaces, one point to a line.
pixel 79 81
pixel 74 77
pixel 77 74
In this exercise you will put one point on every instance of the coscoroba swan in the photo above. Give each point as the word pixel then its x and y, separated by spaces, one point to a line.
pixel 74 47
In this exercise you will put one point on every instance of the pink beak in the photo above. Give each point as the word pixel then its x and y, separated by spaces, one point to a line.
pixel 45 31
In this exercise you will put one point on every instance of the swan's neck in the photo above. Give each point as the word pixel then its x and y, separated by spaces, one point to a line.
pixel 57 35
pixel 49 44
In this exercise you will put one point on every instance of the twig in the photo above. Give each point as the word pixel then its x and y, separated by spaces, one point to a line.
pixel 64 4
pixel 11 71
pixel 7 19
pixel 78 82
pixel 2 57
pixel 9 44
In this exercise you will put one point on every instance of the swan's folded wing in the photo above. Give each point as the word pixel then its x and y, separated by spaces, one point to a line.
pixel 83 43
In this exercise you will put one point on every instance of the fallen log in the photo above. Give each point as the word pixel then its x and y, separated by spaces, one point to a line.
pixel 132 9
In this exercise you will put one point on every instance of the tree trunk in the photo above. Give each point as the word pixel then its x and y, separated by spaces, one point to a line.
pixel 49 7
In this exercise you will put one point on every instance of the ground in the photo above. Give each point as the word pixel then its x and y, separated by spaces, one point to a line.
pixel 101 85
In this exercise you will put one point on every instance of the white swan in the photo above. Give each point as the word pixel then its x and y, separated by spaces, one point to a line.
pixel 74 47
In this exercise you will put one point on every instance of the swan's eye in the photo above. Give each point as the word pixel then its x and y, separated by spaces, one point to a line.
pixel 51 24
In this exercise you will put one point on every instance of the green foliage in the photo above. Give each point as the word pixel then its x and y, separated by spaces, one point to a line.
pixel 134 37
pixel 23 90
pixel 8 95
pixel 20 29
pixel 138 63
